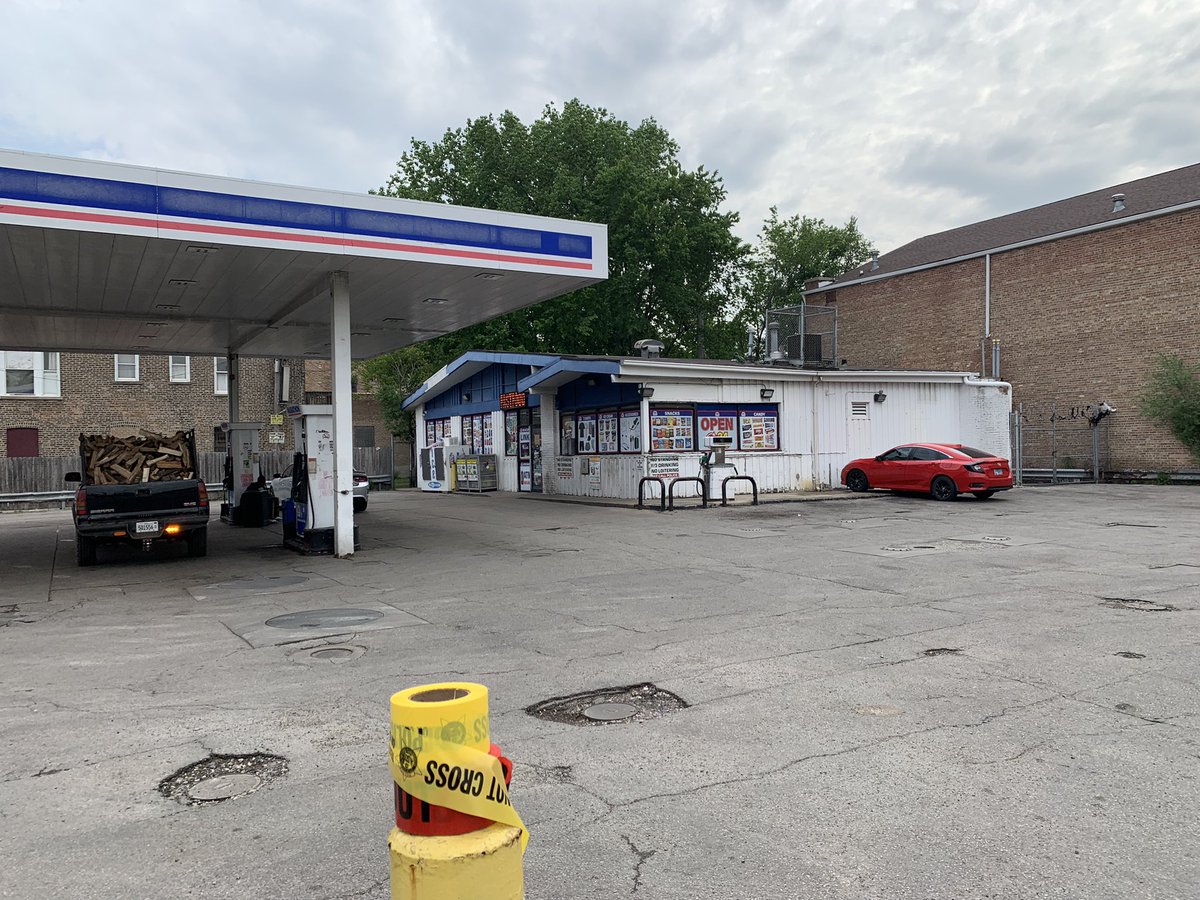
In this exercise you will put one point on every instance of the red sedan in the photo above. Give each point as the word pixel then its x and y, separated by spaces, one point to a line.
pixel 943 470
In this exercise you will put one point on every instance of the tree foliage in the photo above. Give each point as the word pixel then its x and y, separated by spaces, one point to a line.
pixel 791 251
pixel 1172 398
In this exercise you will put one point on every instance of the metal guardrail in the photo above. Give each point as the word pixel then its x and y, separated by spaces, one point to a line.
pixel 214 491
pixel 724 488
pixel 662 492
pixel 671 492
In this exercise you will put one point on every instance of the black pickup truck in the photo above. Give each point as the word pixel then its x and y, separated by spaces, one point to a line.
pixel 140 513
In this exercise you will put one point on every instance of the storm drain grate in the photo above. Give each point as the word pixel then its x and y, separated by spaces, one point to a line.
pixel 1137 604
pixel 608 706
pixel 222 777
pixel 941 651
pixel 346 617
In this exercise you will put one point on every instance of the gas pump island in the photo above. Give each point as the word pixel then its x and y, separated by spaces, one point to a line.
pixel 308 517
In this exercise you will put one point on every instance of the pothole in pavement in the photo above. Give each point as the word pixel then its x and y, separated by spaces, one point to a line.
pixel 1137 604
pixel 328 653
pixel 609 706
pixel 222 777
pixel 941 651
pixel 346 617
pixel 1129 654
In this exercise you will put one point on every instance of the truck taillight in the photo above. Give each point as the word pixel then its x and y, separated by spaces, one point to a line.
pixel 81 502
pixel 203 494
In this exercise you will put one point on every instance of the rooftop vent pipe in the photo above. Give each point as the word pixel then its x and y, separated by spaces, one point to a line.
pixel 1118 202
pixel 649 348
pixel 874 262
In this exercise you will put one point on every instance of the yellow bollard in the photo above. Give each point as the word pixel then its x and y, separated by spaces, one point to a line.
pixel 457 836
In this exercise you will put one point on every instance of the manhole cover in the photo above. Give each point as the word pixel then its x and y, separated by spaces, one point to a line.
pixel 1129 654
pixel 326 618
pixel 610 712
pixel 224 787
pixel 333 653
pixel 1137 604
pixel 941 651
pixel 635 703
pixel 222 777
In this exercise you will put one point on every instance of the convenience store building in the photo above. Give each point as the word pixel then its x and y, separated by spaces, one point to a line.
pixel 595 425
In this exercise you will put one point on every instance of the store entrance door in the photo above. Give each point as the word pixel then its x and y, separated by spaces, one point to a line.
pixel 529 450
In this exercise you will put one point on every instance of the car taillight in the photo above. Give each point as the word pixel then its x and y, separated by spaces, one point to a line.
pixel 973 467
pixel 203 494
pixel 81 502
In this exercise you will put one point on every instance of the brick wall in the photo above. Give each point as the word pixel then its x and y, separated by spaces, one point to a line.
pixel 93 401
pixel 1079 320
pixel 365 408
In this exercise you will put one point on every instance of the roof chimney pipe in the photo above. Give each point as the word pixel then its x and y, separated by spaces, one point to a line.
pixel 874 262
pixel 1118 202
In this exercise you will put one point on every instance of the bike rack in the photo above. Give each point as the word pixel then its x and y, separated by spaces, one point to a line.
pixel 671 492
pixel 725 481
pixel 662 492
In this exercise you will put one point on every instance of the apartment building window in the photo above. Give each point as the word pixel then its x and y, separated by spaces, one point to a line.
pixel 220 439
pixel 220 375
pixel 27 374
pixel 181 369
pixel 126 366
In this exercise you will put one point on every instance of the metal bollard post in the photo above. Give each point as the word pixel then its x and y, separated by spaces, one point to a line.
pixel 457 836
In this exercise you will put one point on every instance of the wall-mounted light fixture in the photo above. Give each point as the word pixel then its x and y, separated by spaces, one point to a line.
pixel 766 393
pixel 466 396
pixel 880 396
pixel 645 392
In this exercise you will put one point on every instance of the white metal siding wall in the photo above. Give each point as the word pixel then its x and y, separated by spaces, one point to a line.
pixel 985 411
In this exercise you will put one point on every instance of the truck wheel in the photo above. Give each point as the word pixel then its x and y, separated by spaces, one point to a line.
pixel 197 542
pixel 85 550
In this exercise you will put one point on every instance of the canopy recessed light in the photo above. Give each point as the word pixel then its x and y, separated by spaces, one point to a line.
pixel 180 282
pixel 170 307
pixel 200 248
pixel 490 276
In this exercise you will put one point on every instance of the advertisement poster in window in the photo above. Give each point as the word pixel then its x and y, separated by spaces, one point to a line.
pixel 488 444
pixel 717 422
pixel 524 449
pixel 468 434
pixel 585 430
pixel 631 431
pixel 510 434
pixel 759 428
pixel 607 427
pixel 526 476
pixel 430 437
pixel 671 429
pixel 566 438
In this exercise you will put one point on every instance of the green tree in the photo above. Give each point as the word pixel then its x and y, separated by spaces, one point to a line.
pixel 1172 398
pixel 788 253
pixel 672 251
pixel 394 376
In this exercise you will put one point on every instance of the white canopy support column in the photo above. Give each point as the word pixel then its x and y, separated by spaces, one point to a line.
pixel 343 421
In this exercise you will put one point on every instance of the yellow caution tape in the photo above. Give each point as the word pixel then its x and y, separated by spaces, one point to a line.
pixel 438 752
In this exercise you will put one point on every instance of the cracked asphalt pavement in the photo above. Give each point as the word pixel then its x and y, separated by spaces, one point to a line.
pixel 1049 748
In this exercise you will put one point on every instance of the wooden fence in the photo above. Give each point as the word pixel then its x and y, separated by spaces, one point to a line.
pixel 45 474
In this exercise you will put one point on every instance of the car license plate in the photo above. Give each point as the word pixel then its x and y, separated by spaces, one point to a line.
pixel 146 527
pixel 997 471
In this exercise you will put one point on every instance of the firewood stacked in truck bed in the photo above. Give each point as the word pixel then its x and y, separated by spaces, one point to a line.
pixel 132 460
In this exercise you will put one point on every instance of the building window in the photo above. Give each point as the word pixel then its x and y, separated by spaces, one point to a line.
pixel 125 367
pixel 364 436
pixel 220 375
pixel 318 398
pixel 631 431
pixel 566 434
pixel 27 374
pixel 510 433
pixel 671 430
pixel 220 439
pixel 22 442
pixel 437 431
pixel 181 369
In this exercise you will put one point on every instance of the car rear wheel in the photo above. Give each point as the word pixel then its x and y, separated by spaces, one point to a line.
pixel 856 480
pixel 984 495
pixel 943 488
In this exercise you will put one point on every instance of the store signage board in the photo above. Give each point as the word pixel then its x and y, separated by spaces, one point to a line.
pixel 662 466
pixel 277 419
pixel 514 400
pixel 716 422
pixel 564 466
pixel 275 437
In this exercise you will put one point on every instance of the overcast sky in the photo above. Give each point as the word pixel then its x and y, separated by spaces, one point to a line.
pixel 913 116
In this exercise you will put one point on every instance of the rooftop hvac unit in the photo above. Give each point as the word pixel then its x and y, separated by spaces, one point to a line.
pixel 804 348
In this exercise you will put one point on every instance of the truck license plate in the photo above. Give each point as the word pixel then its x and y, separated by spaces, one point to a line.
pixel 146 527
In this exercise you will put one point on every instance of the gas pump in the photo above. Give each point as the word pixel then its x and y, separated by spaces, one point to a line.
pixel 309 526
pixel 241 468
pixel 715 468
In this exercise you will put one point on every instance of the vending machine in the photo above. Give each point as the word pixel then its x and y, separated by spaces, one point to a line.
pixel 308 522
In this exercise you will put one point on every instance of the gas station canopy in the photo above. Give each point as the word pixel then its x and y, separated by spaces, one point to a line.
pixel 96 256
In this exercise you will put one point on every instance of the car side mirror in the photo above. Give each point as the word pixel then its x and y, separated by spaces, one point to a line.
pixel 73 477
pixel 879 458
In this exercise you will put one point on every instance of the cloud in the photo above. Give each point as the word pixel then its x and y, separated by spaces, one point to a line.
pixel 913 116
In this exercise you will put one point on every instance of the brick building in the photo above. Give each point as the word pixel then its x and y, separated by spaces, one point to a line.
pixel 47 399
pixel 1079 297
